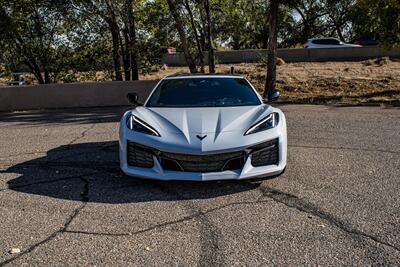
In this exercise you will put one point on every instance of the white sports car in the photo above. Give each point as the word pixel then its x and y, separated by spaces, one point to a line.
pixel 328 42
pixel 200 128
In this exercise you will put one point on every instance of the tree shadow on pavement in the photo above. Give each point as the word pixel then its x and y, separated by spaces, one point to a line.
pixel 90 172
pixel 70 115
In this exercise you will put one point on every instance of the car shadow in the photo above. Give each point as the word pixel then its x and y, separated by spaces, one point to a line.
pixel 90 172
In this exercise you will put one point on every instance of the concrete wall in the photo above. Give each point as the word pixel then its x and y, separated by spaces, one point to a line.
pixel 71 95
pixel 293 55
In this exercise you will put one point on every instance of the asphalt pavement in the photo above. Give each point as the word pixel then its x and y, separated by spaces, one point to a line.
pixel 64 201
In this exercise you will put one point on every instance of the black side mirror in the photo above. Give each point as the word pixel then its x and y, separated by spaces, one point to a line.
pixel 133 99
pixel 272 96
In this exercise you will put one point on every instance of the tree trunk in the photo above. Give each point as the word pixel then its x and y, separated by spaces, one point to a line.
pixel 181 31
pixel 132 46
pixel 114 29
pixel 203 26
pixel 202 33
pixel 272 48
pixel 264 44
pixel 36 71
pixel 46 75
pixel 116 52
pixel 338 30
pixel 126 55
pixel 211 57
pixel 199 47
pixel 29 60
pixel 42 56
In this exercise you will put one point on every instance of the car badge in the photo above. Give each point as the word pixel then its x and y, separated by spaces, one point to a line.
pixel 201 137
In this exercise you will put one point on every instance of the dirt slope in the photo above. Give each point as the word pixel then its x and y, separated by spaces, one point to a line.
pixel 327 82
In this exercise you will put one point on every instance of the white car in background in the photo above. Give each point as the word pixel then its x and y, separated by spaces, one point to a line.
pixel 328 42
pixel 203 127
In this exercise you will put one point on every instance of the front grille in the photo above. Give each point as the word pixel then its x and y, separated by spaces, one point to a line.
pixel 202 163
pixel 139 156
pixel 265 154
pixel 261 155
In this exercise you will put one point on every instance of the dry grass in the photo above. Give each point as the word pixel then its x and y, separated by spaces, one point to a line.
pixel 371 81
pixel 327 82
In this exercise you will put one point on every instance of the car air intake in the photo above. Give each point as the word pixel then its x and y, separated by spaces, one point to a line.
pixel 265 153
pixel 139 156
pixel 202 163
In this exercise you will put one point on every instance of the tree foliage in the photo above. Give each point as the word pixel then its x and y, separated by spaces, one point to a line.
pixel 32 33
pixel 377 19
pixel 125 37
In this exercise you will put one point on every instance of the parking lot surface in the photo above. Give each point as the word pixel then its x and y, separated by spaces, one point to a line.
pixel 64 201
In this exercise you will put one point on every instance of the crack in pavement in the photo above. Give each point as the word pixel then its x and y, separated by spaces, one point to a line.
pixel 271 194
pixel 73 141
pixel 71 217
pixel 346 148
pixel 293 201
pixel 209 233
pixel 169 223
pixel 82 135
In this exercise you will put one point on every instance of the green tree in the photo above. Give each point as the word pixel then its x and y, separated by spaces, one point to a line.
pixel 241 24
pixel 32 32
pixel 378 19
pixel 174 8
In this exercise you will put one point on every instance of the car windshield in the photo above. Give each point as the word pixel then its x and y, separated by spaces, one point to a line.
pixel 203 92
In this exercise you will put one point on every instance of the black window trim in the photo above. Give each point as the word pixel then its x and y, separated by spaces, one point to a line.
pixel 316 41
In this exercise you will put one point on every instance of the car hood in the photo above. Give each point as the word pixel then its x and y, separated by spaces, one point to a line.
pixel 202 120
pixel 201 130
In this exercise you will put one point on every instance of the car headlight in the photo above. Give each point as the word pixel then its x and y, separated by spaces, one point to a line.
pixel 136 124
pixel 268 122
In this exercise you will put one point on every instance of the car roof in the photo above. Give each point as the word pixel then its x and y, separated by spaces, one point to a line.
pixel 203 75
pixel 321 38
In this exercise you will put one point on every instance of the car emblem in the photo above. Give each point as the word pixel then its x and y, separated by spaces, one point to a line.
pixel 201 137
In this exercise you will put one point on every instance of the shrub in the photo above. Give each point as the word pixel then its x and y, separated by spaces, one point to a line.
pixel 382 61
pixel 280 61
pixel 377 61
pixel 263 61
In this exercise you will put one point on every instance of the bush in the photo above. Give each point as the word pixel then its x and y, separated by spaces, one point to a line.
pixel 67 77
pixel 280 61
pixel 382 61
pixel 377 61
pixel 263 61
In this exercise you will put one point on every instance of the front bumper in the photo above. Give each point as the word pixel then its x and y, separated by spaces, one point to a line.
pixel 246 171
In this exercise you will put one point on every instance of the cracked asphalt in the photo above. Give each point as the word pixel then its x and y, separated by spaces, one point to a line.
pixel 64 201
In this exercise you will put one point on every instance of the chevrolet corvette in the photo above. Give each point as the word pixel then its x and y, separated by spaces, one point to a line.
pixel 203 127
